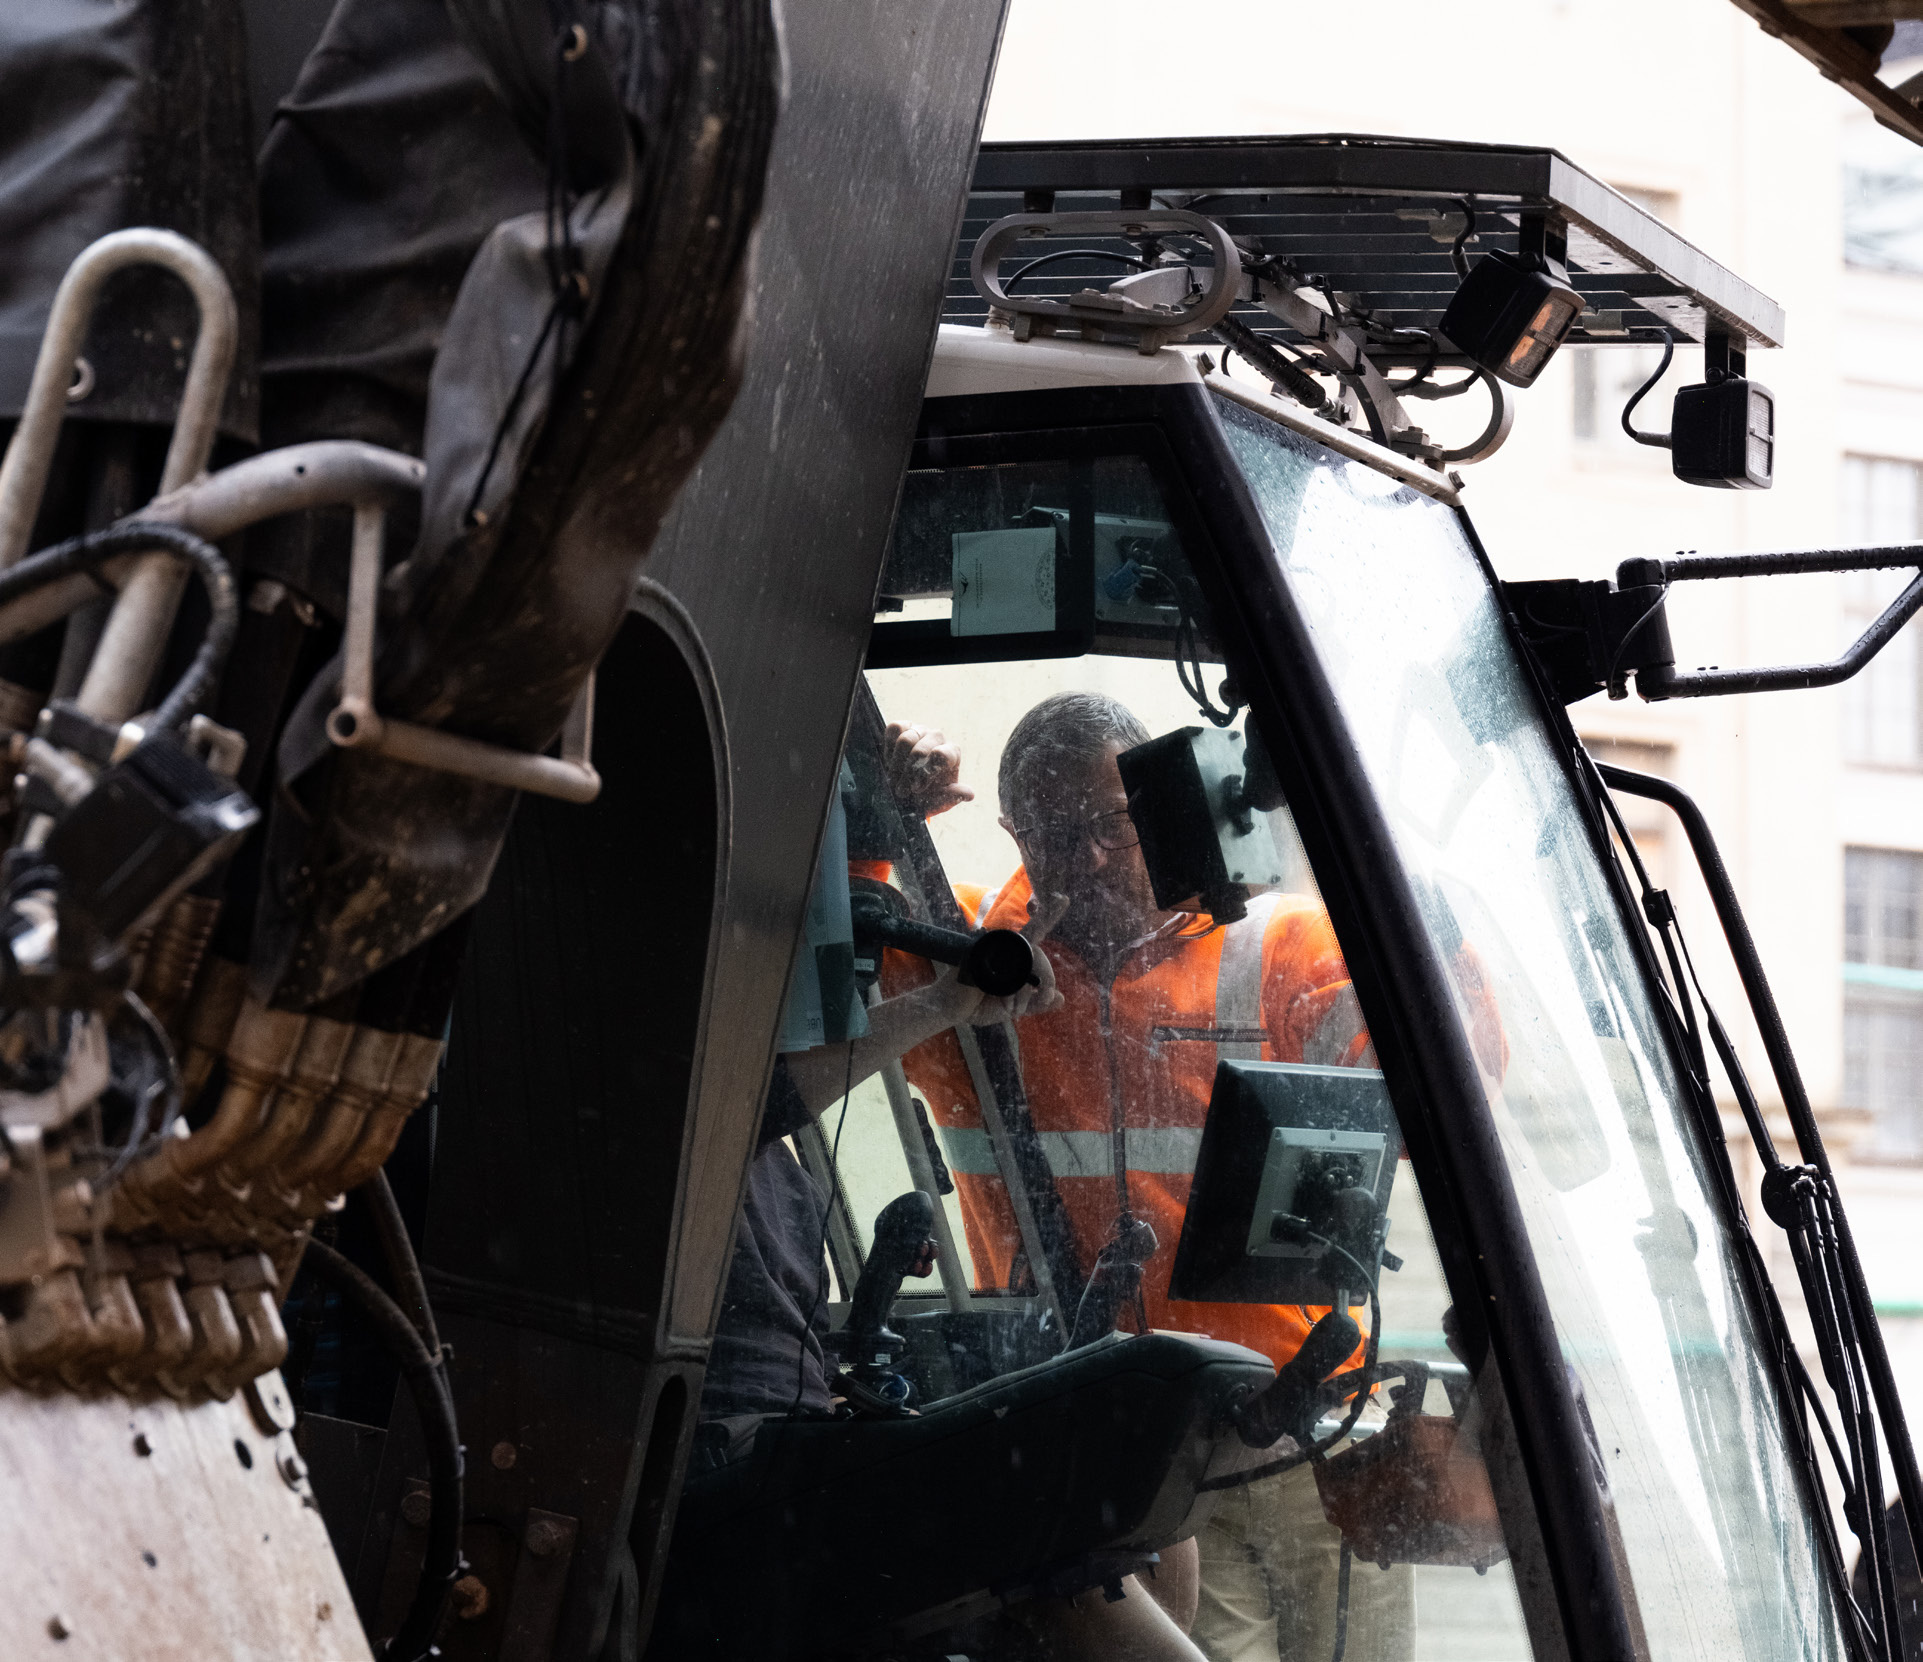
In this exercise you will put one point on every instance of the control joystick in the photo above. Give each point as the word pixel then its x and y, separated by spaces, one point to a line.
pixel 1292 1402
pixel 904 1246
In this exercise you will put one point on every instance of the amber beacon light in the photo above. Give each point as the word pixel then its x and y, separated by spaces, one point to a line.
pixel 1510 314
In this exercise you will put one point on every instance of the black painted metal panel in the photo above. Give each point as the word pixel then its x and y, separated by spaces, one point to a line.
pixel 613 1037
pixel 776 546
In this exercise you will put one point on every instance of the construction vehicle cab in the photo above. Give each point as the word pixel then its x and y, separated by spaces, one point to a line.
pixel 993 846
pixel 1571 1424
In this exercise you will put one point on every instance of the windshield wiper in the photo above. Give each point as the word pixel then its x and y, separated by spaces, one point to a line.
pixel 1803 1201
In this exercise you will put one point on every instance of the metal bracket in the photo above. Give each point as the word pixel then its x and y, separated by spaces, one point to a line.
pixel 1146 311
pixel 1342 351
pixel 355 724
pixel 1588 636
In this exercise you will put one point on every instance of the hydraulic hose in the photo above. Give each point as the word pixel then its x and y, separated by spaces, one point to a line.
pixel 88 552
pixel 1302 386
pixel 402 1265
pixel 442 1560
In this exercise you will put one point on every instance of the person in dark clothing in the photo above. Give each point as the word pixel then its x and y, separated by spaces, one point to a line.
pixel 767 1356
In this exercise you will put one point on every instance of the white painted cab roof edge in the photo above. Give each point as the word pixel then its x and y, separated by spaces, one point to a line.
pixel 971 361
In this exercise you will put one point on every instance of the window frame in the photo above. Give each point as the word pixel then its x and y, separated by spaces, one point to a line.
pixel 1867 996
pixel 1566 1569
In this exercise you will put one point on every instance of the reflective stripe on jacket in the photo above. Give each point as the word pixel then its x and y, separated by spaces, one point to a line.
pixel 1273 987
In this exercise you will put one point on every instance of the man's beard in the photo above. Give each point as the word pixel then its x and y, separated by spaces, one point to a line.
pixel 1105 917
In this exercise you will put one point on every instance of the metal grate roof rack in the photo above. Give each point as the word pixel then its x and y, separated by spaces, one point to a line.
pixel 1372 221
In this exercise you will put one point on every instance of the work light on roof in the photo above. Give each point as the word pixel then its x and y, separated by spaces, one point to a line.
pixel 1510 314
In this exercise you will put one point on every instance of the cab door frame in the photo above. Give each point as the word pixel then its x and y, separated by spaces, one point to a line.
pixel 1561 1539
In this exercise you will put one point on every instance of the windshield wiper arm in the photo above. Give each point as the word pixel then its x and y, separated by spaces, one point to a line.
pixel 1804 1201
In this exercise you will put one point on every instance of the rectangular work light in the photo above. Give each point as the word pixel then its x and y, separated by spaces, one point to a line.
pixel 1510 316
pixel 1723 433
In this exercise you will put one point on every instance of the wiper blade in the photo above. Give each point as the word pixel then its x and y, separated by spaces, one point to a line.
pixel 1803 1201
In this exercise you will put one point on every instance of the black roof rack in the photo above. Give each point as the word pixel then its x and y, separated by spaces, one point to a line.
pixel 1369 219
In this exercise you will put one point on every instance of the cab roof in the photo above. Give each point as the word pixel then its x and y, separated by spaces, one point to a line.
pixel 1375 221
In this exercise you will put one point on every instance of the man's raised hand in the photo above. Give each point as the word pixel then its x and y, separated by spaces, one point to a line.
pixel 923 769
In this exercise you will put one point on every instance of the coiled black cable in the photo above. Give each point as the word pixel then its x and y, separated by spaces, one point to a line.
pixel 93 549
pixel 442 1561
pixel 1363 1378
pixel 1300 384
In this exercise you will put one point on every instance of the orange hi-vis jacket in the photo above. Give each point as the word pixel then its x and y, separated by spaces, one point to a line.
pixel 1272 987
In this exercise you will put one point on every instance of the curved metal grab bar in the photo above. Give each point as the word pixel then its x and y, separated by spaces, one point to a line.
pixel 324 473
pixel 355 724
pixel 135 635
pixel 23 474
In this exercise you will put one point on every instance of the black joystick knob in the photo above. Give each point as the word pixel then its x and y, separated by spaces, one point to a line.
pixel 1293 1399
pixel 999 961
pixel 902 1248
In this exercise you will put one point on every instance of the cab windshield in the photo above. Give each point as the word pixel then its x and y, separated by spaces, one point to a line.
pixel 1184 1131
pixel 1171 1127
pixel 1640 1269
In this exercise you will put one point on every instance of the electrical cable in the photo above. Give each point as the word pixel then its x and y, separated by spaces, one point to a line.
pixel 92 549
pixel 827 1212
pixel 1160 588
pixel 1457 257
pixel 566 274
pixel 1658 441
pixel 1434 341
pixel 1490 438
pixel 1661 914
pixel 1433 392
pixel 1188 667
pixel 441 1563
pixel 1317 1451
pixel 1629 634
pixel 472 514
pixel 1073 254
pixel 1802 1209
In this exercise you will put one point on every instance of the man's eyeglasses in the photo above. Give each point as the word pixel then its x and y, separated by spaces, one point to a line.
pixel 1112 832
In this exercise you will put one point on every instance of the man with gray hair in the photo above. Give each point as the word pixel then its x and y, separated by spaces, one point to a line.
pixel 1118 1071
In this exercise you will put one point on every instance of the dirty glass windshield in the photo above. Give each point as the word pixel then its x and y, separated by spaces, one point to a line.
pixel 1173 1143
pixel 1639 1270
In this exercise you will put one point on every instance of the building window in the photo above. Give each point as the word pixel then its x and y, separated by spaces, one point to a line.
pixel 1883 186
pixel 1882 704
pixel 1883 996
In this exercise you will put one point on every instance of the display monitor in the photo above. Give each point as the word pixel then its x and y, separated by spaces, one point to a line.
pixel 1293 1158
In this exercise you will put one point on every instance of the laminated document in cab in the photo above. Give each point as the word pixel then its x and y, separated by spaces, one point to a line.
pixel 1004 581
